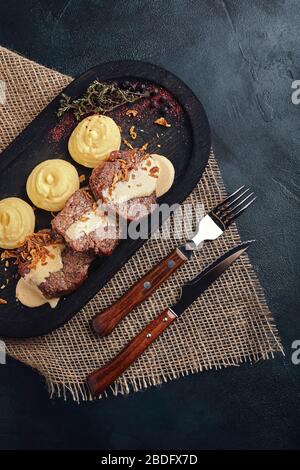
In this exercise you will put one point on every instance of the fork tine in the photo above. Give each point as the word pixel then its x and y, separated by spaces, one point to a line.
pixel 229 206
pixel 218 206
pixel 237 214
pixel 228 212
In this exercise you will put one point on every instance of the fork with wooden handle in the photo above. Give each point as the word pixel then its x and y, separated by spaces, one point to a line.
pixel 209 228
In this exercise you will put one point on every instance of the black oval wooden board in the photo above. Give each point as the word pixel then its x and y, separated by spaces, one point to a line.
pixel 186 143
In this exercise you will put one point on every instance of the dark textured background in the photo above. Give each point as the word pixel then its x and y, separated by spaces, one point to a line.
pixel 240 57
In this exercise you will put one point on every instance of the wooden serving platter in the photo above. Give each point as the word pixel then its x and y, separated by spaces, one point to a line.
pixel 186 143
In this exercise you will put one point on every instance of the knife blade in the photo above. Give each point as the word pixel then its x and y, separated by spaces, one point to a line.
pixel 100 379
pixel 194 288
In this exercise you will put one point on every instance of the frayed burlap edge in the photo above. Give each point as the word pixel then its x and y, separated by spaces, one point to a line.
pixel 80 392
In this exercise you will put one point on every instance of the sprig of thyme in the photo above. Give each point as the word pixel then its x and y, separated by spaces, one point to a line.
pixel 100 97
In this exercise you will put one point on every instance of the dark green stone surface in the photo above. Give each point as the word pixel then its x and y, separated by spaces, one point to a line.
pixel 240 58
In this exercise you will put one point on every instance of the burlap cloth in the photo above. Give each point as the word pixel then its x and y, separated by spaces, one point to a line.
pixel 229 325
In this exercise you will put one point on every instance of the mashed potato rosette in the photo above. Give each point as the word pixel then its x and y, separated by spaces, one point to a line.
pixel 93 139
pixel 51 183
pixel 17 220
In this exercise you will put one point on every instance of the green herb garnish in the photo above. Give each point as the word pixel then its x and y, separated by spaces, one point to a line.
pixel 100 97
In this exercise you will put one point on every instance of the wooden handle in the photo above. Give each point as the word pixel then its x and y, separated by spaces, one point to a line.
pixel 104 323
pixel 99 380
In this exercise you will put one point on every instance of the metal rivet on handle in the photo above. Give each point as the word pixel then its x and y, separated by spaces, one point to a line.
pixel 165 319
pixel 171 264
pixel 148 335
pixel 147 285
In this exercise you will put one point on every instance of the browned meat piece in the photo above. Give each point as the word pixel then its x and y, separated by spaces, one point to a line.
pixel 85 226
pixel 117 168
pixel 73 273
pixel 67 280
pixel 35 249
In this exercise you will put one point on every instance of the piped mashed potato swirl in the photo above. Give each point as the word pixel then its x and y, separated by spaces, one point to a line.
pixel 51 183
pixel 17 220
pixel 93 139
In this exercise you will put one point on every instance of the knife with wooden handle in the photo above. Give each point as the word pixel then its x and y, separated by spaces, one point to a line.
pixel 99 380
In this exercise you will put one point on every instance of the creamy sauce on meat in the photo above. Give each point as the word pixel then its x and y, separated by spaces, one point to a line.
pixel 141 183
pixel 89 222
pixel 31 296
pixel 27 290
